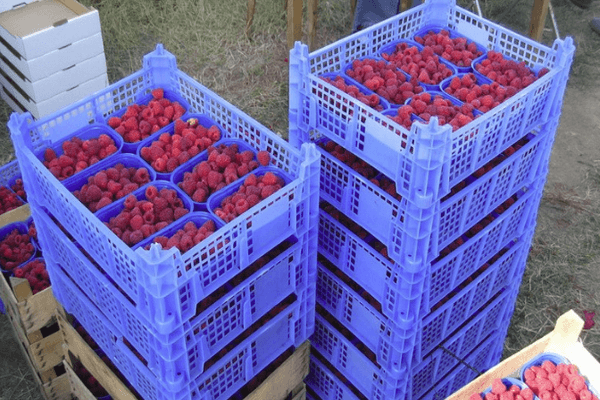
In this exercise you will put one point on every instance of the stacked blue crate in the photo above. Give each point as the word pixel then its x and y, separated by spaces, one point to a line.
pixel 203 323
pixel 403 273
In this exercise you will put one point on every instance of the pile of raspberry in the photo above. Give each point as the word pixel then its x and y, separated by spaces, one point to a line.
pixel 142 218
pixel 456 50
pixel 372 100
pixel 140 121
pixel 483 97
pixel 425 106
pixel 186 238
pixel 188 140
pixel 423 64
pixel 18 188
pixel 8 200
pixel 111 184
pixel 508 73
pixel 251 192
pixel 350 159
pixel 15 249
pixel 78 155
pixel 225 165
pixel 384 79
pixel 36 274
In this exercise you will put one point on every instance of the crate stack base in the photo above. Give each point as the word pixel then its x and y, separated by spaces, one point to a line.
pixel 425 223
pixel 200 324
pixel 50 63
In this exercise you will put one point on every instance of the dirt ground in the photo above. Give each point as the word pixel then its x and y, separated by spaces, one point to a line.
pixel 564 269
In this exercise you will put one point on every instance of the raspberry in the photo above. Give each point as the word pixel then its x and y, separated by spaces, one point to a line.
pixel 267 191
pixel 135 237
pixel 93 193
pixel 130 202
pixel 158 93
pixel 269 179
pixel 130 124
pixel 168 112
pixel 179 212
pixel 104 201
pixel 200 195
pixel 114 122
pixel 171 164
pixel 179 126
pixel 241 206
pixel 263 158
pixel 141 176
pixel 213 179
pixel 166 215
pixel 160 165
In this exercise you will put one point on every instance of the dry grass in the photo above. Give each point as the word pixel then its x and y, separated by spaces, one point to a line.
pixel 16 380
pixel 207 37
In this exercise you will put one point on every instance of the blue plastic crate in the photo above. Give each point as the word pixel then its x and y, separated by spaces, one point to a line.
pixel 325 384
pixel 290 327
pixel 215 324
pixel 163 278
pixel 405 229
pixel 401 292
pixel 398 344
pixel 479 361
pixel 428 160
pixel 378 383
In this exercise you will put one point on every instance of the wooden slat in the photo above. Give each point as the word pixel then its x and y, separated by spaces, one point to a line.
pixel 294 22
pixel 48 352
pixel 78 389
pixel 57 389
pixel 18 214
pixel 313 6
pixel 286 378
pixel 250 15
pixel 94 364
pixel 538 19
pixel 299 393
pixel 37 310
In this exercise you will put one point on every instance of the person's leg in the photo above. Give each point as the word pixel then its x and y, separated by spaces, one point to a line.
pixel 370 12
pixel 595 25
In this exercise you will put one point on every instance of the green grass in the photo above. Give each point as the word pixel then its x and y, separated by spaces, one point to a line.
pixel 208 39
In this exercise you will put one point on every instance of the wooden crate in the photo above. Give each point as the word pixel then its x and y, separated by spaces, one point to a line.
pixel 32 311
pixel 562 340
pixel 285 383
pixel 30 317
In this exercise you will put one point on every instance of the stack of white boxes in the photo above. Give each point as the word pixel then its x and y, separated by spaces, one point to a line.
pixel 51 54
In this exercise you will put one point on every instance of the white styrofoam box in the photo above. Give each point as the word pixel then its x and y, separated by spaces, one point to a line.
pixel 43 26
pixel 55 61
pixel 49 87
pixel 38 110
pixel 6 5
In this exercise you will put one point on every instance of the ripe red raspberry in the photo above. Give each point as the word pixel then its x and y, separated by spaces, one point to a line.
pixel 269 179
pixel 263 157
pixel 114 122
